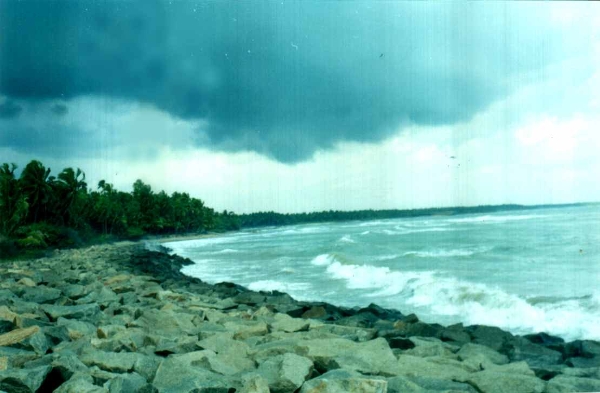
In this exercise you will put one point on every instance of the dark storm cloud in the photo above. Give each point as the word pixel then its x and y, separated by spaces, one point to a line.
pixel 282 79
pixel 9 109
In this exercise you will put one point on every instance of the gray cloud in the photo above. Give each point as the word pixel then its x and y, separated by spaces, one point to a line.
pixel 9 110
pixel 285 79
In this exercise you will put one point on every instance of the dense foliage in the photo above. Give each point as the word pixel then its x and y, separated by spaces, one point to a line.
pixel 38 210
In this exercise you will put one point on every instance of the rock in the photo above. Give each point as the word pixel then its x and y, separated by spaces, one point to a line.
pixel 102 296
pixel 475 354
pixel 178 344
pixel 110 361
pixel 80 383
pixel 285 323
pixel 579 362
pixel 7 315
pixel 412 366
pixel 177 374
pixel 17 357
pixel 254 383
pixel 23 380
pixel 521 368
pixel 495 382
pixel 401 384
pixel 315 312
pixel 108 331
pixel 126 383
pixel 86 312
pixel 371 357
pixel 76 329
pixel 165 322
pixel 490 336
pixel 347 332
pixel 456 333
pixel 429 346
pixel 245 329
pixel 440 385
pixel 67 365
pixel 41 294
pixel 534 354
pixel 37 342
pixel 75 291
pixel 224 343
pixel 401 343
pixel 285 373
pixel 250 298
pixel 3 363
pixel 583 348
pixel 545 339
pixel 18 335
pixel 344 381
pixel 26 281
pixel 564 384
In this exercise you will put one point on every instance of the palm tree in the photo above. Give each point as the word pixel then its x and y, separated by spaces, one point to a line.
pixel 35 185
pixel 13 207
pixel 69 185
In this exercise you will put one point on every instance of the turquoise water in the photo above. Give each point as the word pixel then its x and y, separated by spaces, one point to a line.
pixel 525 271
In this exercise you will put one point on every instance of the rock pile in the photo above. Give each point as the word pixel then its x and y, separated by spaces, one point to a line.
pixel 123 319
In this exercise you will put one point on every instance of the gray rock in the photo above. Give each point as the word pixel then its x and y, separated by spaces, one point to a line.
pixel 23 380
pixel 254 383
pixel 412 366
pixel 126 383
pixel 534 354
pixel 177 374
pixel 224 343
pixel 80 383
pixel 348 332
pixel 38 343
pixel 495 382
pixel 84 312
pixel 67 365
pixel 17 357
pixel 165 322
pixel 401 384
pixel 242 329
pixel 475 354
pixel 110 361
pixel 286 373
pixel 429 346
pixel 41 294
pixel 564 384
pixel 76 329
pixel 74 291
pixel 102 296
pixel 435 384
pixel 490 336
pixel 344 381
pixel 285 323
pixel 579 362
pixel 146 365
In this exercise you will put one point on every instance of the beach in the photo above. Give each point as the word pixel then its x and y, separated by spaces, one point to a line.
pixel 121 318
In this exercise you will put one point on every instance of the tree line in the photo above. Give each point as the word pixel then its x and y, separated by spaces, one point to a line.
pixel 39 210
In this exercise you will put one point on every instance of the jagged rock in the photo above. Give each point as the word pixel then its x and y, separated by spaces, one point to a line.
pixel 245 329
pixel 285 323
pixel 84 312
pixel 110 361
pixel 180 344
pixel 440 385
pixel 76 329
pixel 489 336
pixel 579 362
pixel 401 384
pixel 224 343
pixel 535 355
pixel 412 366
pixel 316 312
pixel 3 363
pixel 583 348
pixel 372 357
pixel 564 384
pixel 165 322
pixel 476 354
pixel 495 382
pixel 41 294
pixel 18 335
pixel 456 333
pixel 26 281
pixel 348 332
pixel 102 295
pixel 344 381
pixel 285 373
pixel 429 346
pixel 126 383
pixel 250 298
pixel 178 374
pixel 254 383
pixel 80 383
pixel 17 357
pixel 67 365
pixel 108 331
pixel 36 342
pixel 23 380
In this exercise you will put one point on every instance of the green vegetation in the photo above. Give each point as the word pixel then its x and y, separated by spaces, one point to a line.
pixel 38 210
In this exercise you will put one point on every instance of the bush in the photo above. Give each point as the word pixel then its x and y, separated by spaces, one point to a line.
pixel 43 235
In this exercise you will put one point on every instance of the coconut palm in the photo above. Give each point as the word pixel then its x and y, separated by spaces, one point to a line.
pixel 69 185
pixel 35 184
pixel 13 207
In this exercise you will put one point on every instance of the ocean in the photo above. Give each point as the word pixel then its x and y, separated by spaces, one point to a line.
pixel 524 271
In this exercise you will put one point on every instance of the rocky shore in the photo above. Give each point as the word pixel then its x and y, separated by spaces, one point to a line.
pixel 120 318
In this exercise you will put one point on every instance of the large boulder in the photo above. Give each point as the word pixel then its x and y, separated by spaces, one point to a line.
pixel 344 381
pixel 41 294
pixel 85 312
pixel 534 354
pixel 480 355
pixel 490 336
pixel 565 384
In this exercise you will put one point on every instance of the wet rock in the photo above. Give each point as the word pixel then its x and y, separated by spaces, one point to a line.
pixel 110 361
pixel 490 336
pixel 429 346
pixel 564 384
pixel 440 385
pixel 76 329
pixel 534 354
pixel 347 332
pixel 126 383
pixel 80 383
pixel 580 362
pixel 476 354
pixel 583 348
pixel 338 381
pixel 285 323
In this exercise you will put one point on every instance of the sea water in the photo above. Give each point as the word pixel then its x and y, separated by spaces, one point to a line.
pixel 524 271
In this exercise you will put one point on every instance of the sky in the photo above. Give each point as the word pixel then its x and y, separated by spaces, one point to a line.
pixel 301 106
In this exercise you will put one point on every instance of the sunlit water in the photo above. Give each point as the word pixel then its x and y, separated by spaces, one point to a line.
pixel 525 271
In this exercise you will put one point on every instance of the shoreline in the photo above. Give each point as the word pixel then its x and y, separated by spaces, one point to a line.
pixel 121 317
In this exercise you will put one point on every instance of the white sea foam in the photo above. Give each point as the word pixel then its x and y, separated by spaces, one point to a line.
pixel 472 303
pixel 321 260
pixel 406 231
pixel 225 251
pixel 346 239
pixel 445 253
